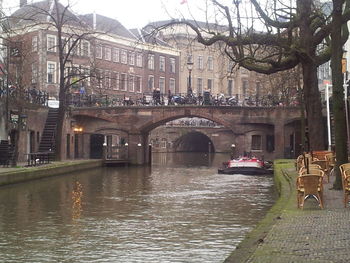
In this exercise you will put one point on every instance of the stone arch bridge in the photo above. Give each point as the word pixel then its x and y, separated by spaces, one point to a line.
pixel 280 124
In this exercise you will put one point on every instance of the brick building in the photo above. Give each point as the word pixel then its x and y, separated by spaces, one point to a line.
pixel 101 55
pixel 212 69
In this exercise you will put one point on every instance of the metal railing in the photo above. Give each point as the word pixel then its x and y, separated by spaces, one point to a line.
pixel 149 99
pixel 29 95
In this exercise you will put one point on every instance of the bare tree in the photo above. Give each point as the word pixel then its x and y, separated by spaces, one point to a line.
pixel 71 32
pixel 297 32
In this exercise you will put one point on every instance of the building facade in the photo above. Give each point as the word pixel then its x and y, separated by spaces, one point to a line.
pixel 102 56
pixel 210 68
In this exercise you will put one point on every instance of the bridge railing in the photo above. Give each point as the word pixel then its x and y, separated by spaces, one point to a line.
pixel 30 95
pixel 159 99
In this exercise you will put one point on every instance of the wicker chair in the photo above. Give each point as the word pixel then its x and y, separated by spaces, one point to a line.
pixel 311 166
pixel 343 168
pixel 309 185
pixel 299 162
pixel 330 158
pixel 346 186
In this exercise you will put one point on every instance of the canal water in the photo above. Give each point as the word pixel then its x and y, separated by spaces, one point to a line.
pixel 177 210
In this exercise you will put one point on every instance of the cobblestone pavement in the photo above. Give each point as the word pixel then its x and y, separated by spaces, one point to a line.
pixel 309 235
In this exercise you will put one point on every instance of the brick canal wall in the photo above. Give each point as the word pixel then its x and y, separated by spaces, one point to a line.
pixel 19 175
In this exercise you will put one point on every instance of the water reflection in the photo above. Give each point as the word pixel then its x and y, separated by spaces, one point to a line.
pixel 178 210
pixel 77 195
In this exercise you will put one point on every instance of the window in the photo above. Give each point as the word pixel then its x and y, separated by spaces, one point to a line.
pixel 123 82
pixel 256 142
pixel 124 57
pixel 210 63
pixel 138 84
pixel 34 73
pixel 257 89
pixel 139 60
pixel 74 45
pixel 108 52
pixel 163 143
pixel 200 62
pixel 112 80
pixel 131 83
pixel 210 84
pixel 85 48
pixel 172 65
pixel 99 51
pixel 116 85
pixel 150 83
pixel 230 87
pixel 35 43
pixel 107 79
pixel 51 72
pixel 85 73
pixel 102 79
pixel 162 63
pixel 131 58
pixel 115 54
pixel 51 43
pixel 199 86
pixel 98 78
pixel 172 85
pixel 162 84
pixel 150 61
pixel 244 87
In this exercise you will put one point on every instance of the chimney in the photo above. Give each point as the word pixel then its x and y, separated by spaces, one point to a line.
pixel 22 3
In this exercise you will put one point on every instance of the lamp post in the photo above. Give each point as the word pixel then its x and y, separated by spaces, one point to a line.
pixel 189 67
pixel 329 137
pixel 345 86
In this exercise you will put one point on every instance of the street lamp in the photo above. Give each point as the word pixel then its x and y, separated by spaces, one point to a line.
pixel 189 67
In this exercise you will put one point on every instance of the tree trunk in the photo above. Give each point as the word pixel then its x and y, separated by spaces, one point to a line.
pixel 315 129
pixel 314 120
pixel 338 93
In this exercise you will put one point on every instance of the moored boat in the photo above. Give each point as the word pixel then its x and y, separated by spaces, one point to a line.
pixel 246 166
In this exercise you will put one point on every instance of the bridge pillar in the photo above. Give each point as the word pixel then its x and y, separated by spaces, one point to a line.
pixel 138 148
pixel 279 139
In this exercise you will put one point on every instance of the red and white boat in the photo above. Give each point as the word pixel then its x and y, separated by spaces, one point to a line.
pixel 246 166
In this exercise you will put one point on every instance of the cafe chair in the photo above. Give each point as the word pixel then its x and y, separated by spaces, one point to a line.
pixel 303 169
pixel 343 168
pixel 323 165
pixel 346 186
pixel 330 163
pixel 309 185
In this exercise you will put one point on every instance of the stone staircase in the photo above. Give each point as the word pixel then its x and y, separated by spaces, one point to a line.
pixel 47 142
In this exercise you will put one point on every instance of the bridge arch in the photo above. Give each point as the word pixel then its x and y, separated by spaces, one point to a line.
pixel 163 120
pixel 194 141
pixel 138 121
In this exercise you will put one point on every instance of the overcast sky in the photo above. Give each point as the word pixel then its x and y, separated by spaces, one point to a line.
pixel 131 13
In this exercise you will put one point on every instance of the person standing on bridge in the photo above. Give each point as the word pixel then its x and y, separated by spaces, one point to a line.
pixel 170 97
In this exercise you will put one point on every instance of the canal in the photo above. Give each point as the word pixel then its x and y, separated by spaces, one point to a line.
pixel 177 210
